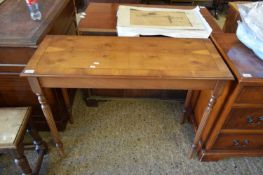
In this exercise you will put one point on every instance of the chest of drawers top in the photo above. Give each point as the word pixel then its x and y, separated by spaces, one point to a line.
pixel 246 66
pixel 19 30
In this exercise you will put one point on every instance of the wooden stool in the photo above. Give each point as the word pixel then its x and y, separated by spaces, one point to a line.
pixel 14 122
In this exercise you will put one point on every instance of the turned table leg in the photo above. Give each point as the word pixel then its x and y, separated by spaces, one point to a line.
pixel 216 92
pixel 51 123
pixel 36 88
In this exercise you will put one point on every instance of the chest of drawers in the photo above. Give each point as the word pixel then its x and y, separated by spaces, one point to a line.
pixel 19 38
pixel 236 126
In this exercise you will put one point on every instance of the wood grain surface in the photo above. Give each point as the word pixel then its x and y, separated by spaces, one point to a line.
pixel 82 56
pixel 18 29
pixel 241 59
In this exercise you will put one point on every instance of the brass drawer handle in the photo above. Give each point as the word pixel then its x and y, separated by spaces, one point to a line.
pixel 240 144
pixel 256 120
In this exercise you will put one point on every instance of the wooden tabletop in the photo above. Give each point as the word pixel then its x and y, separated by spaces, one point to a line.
pixel 17 29
pixel 242 61
pixel 152 57
pixel 101 17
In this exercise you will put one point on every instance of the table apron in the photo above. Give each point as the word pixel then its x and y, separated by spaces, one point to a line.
pixel 126 83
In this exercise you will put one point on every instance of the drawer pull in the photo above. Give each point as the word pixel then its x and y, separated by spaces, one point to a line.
pixel 240 144
pixel 256 120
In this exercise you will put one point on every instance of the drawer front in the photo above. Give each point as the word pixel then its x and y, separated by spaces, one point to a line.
pixel 252 95
pixel 16 55
pixel 11 69
pixel 239 141
pixel 245 118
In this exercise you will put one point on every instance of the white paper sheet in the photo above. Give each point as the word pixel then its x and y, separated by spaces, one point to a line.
pixel 178 23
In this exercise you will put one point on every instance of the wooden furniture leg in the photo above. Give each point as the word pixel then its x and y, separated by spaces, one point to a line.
pixel 187 106
pixel 216 92
pixel 36 88
pixel 37 140
pixel 40 147
pixel 21 160
pixel 68 104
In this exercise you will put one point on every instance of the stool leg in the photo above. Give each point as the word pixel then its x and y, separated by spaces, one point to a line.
pixel 21 160
pixel 40 146
pixel 37 140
